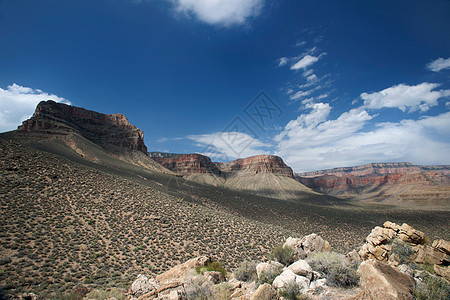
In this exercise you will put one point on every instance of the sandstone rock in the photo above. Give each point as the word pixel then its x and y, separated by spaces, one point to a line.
pixel 264 292
pixel 429 255
pixel 443 271
pixel 302 282
pixel 380 277
pixel 188 164
pixel 406 269
pixel 258 164
pixel 141 286
pixel 237 294
pixel 307 245
pixel 408 234
pixel 353 257
pixel 287 277
pixel 301 268
pixel 318 283
pixel 380 235
pixel 272 267
pixel 214 277
pixel 179 272
pixel 442 245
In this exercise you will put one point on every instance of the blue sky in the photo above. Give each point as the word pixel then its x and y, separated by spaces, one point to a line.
pixel 321 83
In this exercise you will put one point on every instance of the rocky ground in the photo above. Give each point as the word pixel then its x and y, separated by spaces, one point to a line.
pixel 64 223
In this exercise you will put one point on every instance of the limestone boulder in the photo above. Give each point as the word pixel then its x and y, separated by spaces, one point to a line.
pixel 307 245
pixel 430 255
pixel 264 292
pixel 301 268
pixel 287 277
pixel 302 282
pixel 380 277
pixel 141 286
pixel 442 245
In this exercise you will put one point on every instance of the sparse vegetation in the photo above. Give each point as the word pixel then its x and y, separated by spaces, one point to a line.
pixel 402 251
pixel 432 287
pixel 212 266
pixel 199 288
pixel 337 269
pixel 292 292
pixel 284 255
pixel 246 271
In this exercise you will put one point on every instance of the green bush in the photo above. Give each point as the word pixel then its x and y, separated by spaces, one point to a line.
pixel 269 277
pixel 246 271
pixel 292 292
pixel 337 269
pixel 432 287
pixel 212 266
pixel 402 251
pixel 284 255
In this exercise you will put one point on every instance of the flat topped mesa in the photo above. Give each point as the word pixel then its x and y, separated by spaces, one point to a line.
pixel 112 132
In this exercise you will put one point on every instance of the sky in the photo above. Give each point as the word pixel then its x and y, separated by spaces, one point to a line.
pixel 322 83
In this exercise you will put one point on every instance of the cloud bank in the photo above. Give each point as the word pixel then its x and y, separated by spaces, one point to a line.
pixel 17 103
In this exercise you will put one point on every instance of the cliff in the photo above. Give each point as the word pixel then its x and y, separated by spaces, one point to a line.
pixel 111 132
pixel 258 164
pixel 188 164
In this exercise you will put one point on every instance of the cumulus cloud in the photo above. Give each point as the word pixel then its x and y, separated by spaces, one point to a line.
pixel 220 12
pixel 439 64
pixel 229 144
pixel 313 141
pixel 17 103
pixel 406 97
pixel 305 62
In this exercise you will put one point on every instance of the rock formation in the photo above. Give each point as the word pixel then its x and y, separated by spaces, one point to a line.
pixel 256 165
pixel 111 132
pixel 188 164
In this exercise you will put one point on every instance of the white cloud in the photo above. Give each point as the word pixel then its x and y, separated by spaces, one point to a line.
pixel 406 97
pixel 305 62
pixel 282 61
pixel 17 103
pixel 220 12
pixel 314 142
pixel 300 94
pixel 439 64
pixel 229 144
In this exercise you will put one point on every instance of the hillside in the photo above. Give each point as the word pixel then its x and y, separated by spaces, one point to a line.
pixel 93 217
pixel 393 183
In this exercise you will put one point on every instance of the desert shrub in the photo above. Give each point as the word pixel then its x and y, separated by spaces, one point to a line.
pixel 223 291
pixel 269 277
pixel 212 266
pixel 402 250
pixel 337 269
pixel 432 287
pixel 246 271
pixel 199 288
pixel 284 255
pixel 292 292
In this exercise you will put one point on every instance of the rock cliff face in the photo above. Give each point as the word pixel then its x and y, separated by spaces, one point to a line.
pixel 376 169
pixel 188 164
pixel 258 164
pixel 111 132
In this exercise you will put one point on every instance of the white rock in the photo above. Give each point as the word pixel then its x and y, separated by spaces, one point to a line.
pixel 318 283
pixel 286 278
pixel 301 268
pixel 271 267
pixel 302 282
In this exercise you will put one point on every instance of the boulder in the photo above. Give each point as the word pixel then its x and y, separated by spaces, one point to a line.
pixel 353 257
pixel 429 255
pixel 442 245
pixel 141 286
pixel 302 282
pixel 307 245
pixel 270 268
pixel 380 235
pixel 214 277
pixel 287 277
pixel 381 278
pixel 318 283
pixel 301 268
pixel 264 292
pixel 179 272
pixel 442 271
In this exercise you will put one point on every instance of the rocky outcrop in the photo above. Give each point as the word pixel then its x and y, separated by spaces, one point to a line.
pixel 111 132
pixel 376 169
pixel 397 244
pixel 188 164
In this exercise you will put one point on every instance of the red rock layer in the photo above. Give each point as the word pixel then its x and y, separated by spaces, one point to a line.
pixel 188 164
pixel 112 132
pixel 258 164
